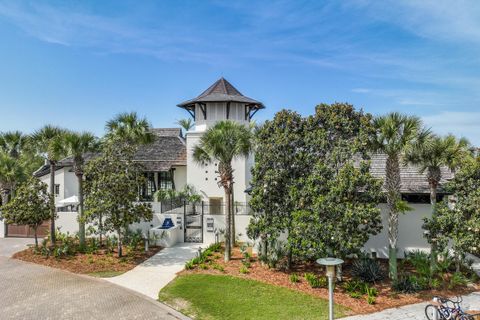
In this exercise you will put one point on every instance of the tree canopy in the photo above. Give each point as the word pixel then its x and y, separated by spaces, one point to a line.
pixel 31 205
pixel 311 181
pixel 111 190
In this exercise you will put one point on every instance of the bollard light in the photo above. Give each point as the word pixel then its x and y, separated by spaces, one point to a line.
pixel 331 264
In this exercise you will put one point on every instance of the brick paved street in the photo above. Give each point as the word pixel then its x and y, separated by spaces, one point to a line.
pixel 30 291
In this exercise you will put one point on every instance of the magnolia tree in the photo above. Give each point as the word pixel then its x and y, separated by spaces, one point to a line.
pixel 278 150
pixel 31 205
pixel 307 185
pixel 458 223
pixel 111 190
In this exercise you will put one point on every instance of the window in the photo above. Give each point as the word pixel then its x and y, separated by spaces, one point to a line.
pixel 147 191
pixel 165 180
pixel 216 206
pixel 57 190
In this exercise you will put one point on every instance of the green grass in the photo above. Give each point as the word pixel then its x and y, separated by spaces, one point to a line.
pixel 202 296
pixel 106 274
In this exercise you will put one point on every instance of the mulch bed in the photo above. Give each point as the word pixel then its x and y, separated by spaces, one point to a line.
pixel 89 263
pixel 386 298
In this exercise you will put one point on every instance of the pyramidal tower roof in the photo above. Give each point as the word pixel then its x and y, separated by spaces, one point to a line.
pixel 221 91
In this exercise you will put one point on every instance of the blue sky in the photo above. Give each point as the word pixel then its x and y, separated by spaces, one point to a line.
pixel 77 63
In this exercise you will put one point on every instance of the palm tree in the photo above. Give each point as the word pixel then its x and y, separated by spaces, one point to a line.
pixel 77 145
pixel 130 128
pixel 49 142
pixel 395 133
pixel 431 155
pixel 186 124
pixel 13 143
pixel 10 174
pixel 224 142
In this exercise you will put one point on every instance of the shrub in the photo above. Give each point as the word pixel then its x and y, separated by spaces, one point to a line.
pixel 294 278
pixel 244 270
pixel 368 270
pixel 203 266
pixel 218 267
pixel 435 283
pixel 371 299
pixel 314 281
pixel 457 279
pixel 247 264
pixel 189 265
pixel 407 284
pixel 420 261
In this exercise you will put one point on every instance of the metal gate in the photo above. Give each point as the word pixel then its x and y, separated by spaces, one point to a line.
pixel 193 217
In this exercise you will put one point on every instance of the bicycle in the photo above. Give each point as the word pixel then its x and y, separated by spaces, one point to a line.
pixel 447 309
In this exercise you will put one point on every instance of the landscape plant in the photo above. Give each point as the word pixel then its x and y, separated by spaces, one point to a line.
pixel 78 145
pixel 31 206
pixel 458 222
pixel 111 189
pixel 431 155
pixel 223 143
pixel 395 134
pixel 49 142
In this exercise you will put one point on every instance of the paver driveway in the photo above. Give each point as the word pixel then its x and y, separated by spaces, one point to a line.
pixel 29 291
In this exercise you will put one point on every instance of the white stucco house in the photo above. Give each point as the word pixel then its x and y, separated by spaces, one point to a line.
pixel 169 164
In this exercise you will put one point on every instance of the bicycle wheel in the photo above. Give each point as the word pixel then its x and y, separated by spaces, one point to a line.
pixel 431 310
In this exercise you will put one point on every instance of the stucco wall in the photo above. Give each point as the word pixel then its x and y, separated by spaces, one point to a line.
pixel 180 177
pixel 410 232
pixel 67 181
pixel 2 229
pixel 205 179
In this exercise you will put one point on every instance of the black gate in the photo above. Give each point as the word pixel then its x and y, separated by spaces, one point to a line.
pixel 193 217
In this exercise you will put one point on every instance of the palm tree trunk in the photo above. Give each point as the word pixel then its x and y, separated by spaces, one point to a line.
pixel 434 176
pixel 227 224
pixel 52 192
pixel 232 219
pixel 81 218
pixel 392 184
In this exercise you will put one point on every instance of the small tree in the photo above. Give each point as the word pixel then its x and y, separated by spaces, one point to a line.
pixel 111 190
pixel 278 145
pixel 396 133
pixel 458 223
pixel 225 142
pixel 31 205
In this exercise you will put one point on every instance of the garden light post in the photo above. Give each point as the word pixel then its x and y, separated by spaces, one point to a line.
pixel 331 264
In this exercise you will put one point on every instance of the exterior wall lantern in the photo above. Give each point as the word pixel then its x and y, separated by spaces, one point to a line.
pixel 331 264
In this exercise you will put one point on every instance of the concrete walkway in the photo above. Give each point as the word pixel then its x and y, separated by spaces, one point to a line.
pixel 155 273
pixel 9 246
pixel 415 311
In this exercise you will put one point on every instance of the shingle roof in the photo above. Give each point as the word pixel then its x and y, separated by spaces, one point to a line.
pixel 221 91
pixel 168 149
pixel 412 181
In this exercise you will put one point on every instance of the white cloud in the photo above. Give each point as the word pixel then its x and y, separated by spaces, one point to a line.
pixel 361 90
pixel 461 124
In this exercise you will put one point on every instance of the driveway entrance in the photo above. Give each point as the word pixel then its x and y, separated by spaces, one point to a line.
pixel 31 291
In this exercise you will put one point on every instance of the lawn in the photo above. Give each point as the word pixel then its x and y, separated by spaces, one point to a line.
pixel 204 296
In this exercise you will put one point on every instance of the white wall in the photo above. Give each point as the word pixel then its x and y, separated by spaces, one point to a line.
pixel 180 177
pixel 67 181
pixel 205 179
pixel 410 232
pixel 67 222
pixel 2 229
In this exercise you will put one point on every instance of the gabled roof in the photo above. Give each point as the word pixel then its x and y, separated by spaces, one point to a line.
pixel 168 149
pixel 221 91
